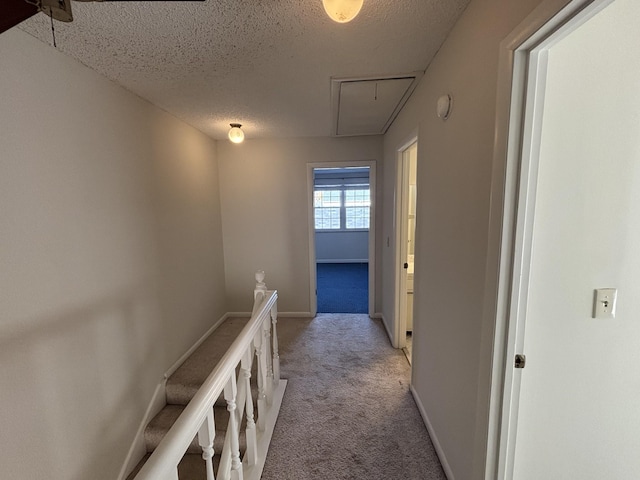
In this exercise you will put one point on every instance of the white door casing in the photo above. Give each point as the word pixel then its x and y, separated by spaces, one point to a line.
pixel 400 229
pixel 313 298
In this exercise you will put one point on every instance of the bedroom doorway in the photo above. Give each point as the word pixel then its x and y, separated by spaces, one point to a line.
pixel 341 213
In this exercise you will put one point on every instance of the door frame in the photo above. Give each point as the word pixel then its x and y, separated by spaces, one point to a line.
pixel 521 87
pixel 313 284
pixel 400 228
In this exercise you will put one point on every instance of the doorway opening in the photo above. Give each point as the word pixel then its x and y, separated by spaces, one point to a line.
pixel 405 245
pixel 341 212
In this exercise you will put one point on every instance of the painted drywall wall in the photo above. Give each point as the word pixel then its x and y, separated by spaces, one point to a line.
pixel 111 261
pixel 342 247
pixel 265 212
pixel 451 375
pixel 578 404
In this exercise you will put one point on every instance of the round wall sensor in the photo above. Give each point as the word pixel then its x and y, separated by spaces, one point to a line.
pixel 444 106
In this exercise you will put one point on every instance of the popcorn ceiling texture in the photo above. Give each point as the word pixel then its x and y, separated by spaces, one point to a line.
pixel 264 63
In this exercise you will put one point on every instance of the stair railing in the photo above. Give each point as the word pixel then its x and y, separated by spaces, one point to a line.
pixel 257 340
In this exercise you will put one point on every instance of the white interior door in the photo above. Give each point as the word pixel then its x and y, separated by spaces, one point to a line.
pixel 577 414
pixel 403 224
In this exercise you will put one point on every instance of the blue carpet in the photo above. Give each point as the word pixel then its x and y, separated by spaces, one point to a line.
pixel 343 287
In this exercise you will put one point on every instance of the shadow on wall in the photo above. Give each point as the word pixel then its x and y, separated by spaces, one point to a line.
pixel 74 383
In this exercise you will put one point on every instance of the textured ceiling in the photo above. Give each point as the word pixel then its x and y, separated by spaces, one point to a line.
pixel 264 63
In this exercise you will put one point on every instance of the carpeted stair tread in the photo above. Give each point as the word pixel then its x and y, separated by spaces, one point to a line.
pixel 191 467
pixel 187 379
pixel 162 422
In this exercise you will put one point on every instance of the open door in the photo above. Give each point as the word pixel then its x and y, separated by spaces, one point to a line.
pixel 406 194
pixel 570 235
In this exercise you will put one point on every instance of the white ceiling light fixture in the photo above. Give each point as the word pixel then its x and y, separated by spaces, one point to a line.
pixel 236 135
pixel 342 11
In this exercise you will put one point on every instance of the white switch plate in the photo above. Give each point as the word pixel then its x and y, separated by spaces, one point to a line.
pixel 604 303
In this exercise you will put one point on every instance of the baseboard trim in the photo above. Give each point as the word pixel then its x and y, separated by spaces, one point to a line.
pixel 280 314
pixel 384 324
pixel 193 348
pixel 344 260
pixel 434 438
pixel 295 315
pixel 138 448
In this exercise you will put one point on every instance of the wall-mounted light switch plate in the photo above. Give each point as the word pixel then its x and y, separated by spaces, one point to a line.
pixel 604 303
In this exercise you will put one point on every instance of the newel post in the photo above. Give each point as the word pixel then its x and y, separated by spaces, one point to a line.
pixel 261 287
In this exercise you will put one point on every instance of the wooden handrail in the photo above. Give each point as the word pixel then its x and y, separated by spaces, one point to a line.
pixel 162 464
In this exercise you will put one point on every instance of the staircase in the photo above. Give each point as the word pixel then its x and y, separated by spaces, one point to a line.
pixel 249 436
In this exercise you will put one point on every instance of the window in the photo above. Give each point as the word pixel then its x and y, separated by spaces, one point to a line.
pixel 341 207
pixel 356 206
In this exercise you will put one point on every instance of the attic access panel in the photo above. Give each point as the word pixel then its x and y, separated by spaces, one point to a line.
pixel 368 106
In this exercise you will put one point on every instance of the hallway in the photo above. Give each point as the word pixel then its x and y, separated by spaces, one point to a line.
pixel 347 411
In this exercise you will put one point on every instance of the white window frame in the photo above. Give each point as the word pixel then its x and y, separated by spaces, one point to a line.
pixel 343 207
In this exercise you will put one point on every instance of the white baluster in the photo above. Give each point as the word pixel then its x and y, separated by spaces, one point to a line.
pixel 206 436
pixel 262 377
pixel 268 386
pixel 276 355
pixel 230 393
pixel 250 432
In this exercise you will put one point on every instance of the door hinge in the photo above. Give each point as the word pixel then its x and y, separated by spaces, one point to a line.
pixel 521 360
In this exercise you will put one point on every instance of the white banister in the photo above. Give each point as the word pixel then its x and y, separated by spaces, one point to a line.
pixel 197 418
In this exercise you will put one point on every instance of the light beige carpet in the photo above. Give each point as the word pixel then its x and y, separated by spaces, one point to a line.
pixel 347 411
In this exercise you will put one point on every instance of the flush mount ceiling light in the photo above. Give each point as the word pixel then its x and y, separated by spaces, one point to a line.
pixel 236 135
pixel 342 11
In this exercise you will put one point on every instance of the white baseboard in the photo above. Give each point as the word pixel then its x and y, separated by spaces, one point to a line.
pixel 384 324
pixel 138 448
pixel 344 260
pixel 188 353
pixel 434 438
pixel 280 314
pixel 295 315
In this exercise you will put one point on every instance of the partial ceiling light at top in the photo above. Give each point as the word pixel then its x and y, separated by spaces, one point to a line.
pixel 236 135
pixel 342 11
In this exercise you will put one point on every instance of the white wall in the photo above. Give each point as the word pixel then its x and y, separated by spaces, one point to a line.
pixel 451 375
pixel 265 212
pixel 342 247
pixel 578 407
pixel 111 260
